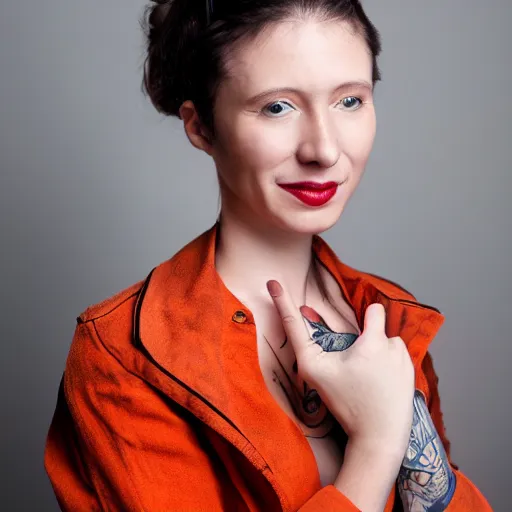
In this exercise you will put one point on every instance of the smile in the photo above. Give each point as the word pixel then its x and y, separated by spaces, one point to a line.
pixel 312 194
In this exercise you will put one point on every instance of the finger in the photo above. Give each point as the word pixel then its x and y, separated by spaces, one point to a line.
pixel 293 324
pixel 375 319
pixel 325 337
pixel 311 315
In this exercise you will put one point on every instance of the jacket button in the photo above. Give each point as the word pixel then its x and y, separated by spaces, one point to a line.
pixel 239 317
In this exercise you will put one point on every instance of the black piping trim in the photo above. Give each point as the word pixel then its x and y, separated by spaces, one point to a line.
pixel 415 303
pixel 391 282
pixel 406 301
pixel 140 346
pixel 80 320
pixel 136 312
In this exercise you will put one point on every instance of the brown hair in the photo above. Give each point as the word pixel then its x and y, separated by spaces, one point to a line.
pixel 186 57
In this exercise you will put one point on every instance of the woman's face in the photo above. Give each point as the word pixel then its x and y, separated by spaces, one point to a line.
pixel 322 130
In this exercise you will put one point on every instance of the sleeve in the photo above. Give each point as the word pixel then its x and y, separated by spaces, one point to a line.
pixel 466 496
pixel 117 444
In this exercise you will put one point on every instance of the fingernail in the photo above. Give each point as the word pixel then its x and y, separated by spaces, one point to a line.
pixel 310 314
pixel 274 288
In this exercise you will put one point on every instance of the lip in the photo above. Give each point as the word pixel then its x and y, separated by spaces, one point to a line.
pixel 309 185
pixel 310 192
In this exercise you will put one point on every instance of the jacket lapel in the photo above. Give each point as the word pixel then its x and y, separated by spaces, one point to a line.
pixel 207 362
pixel 416 323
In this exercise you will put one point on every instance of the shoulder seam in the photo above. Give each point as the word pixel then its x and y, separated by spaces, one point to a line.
pixel 81 320
pixel 393 283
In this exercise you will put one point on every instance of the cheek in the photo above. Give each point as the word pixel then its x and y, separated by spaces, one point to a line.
pixel 264 146
pixel 357 137
pixel 250 152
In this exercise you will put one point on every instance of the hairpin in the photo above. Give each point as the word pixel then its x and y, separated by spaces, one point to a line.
pixel 209 11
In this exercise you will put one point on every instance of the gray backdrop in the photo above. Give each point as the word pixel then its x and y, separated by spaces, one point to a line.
pixel 93 194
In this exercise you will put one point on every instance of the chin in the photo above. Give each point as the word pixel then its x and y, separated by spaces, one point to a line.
pixel 310 223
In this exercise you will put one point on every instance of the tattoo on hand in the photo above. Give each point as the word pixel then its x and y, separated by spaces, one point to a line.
pixel 426 481
pixel 329 340
pixel 306 402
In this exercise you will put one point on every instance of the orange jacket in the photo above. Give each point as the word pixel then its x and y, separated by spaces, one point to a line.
pixel 162 405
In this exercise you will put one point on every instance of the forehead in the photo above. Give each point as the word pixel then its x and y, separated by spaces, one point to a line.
pixel 313 55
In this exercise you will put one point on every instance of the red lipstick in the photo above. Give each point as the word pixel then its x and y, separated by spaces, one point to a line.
pixel 311 192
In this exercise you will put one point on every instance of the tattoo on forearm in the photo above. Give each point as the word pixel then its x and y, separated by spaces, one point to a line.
pixel 426 481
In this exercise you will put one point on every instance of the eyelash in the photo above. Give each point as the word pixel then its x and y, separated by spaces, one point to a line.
pixel 264 109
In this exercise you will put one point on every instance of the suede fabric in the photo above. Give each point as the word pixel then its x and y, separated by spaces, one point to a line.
pixel 162 405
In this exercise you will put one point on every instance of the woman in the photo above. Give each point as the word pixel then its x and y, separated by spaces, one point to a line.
pixel 204 386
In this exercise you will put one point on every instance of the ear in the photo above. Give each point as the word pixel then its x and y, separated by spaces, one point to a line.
pixel 196 132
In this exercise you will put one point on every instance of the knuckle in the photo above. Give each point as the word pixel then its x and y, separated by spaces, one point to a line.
pixel 397 341
pixel 288 319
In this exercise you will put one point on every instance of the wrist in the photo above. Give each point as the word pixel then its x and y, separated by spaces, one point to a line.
pixel 368 473
pixel 382 448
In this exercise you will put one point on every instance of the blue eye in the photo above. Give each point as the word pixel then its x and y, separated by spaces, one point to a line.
pixel 274 108
pixel 351 102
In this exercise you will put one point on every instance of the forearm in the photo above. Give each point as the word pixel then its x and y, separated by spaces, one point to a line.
pixel 426 481
pixel 367 476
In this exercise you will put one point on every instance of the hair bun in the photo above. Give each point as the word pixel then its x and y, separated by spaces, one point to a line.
pixel 159 12
pixel 172 28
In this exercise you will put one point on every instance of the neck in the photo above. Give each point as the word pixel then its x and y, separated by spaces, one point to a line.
pixel 248 255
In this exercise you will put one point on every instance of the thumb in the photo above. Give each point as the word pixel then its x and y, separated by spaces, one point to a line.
pixel 375 318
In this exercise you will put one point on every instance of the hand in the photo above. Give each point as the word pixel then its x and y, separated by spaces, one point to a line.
pixel 368 386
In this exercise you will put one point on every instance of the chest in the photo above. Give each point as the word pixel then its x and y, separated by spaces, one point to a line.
pixel 296 398
pixel 304 408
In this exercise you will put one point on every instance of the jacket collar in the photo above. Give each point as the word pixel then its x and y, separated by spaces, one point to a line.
pixel 183 321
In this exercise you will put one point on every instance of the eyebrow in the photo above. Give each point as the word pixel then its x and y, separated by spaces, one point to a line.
pixel 279 90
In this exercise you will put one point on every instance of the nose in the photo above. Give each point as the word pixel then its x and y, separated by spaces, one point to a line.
pixel 319 144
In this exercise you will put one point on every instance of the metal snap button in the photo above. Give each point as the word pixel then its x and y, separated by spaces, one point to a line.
pixel 239 317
